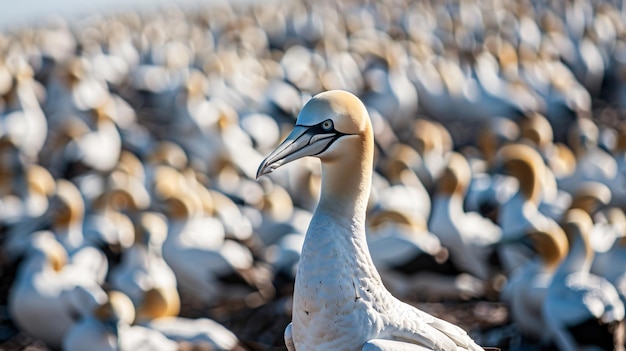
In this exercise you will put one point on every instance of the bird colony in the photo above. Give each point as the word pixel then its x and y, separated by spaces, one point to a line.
pixel 131 217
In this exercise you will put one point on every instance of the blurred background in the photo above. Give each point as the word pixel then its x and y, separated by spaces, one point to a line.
pixel 130 136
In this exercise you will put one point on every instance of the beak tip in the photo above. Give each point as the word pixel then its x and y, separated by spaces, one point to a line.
pixel 263 170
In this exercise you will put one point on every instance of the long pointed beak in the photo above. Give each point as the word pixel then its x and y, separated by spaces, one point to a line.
pixel 302 141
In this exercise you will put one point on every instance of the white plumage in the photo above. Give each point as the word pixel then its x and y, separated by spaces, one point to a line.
pixel 109 329
pixel 527 287
pixel 467 235
pixel 49 296
pixel 577 296
pixel 520 214
pixel 142 266
pixel 339 299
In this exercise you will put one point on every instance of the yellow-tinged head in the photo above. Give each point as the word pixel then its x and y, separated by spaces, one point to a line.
pixel 169 153
pixel 69 205
pixel 430 136
pixel 590 196
pixel 322 128
pixel 578 224
pixel 537 129
pixel 56 255
pixel 524 163
pixel 401 160
pixel 377 219
pixel 130 164
pixel 157 303
pixel 150 227
pixel 551 245
pixel 40 180
pixel 118 308
pixel 456 176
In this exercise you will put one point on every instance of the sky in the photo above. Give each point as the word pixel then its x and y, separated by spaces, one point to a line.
pixel 20 13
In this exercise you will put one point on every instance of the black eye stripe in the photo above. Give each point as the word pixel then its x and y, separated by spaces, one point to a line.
pixel 339 135
pixel 319 128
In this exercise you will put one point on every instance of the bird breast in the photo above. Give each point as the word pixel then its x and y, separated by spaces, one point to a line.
pixel 336 285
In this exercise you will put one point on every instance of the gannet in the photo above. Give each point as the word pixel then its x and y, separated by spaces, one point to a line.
pixel 25 187
pixel 339 299
pixel 520 214
pixel 412 259
pixel 142 266
pixel 582 309
pixel 64 217
pixel 197 251
pixel 558 158
pixel 526 289
pixel 108 219
pixel 21 119
pixel 155 313
pixel 609 263
pixel 99 148
pixel 487 191
pixel 565 98
pixel 405 191
pixel 72 89
pixel 109 328
pixel 388 89
pixel 467 235
pixel 592 162
pixel 40 187
pixel 495 88
pixel 68 212
pixel 434 143
pixel 593 198
pixel 49 296
pixel 272 217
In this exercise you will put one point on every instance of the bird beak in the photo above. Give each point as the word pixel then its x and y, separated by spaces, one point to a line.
pixel 302 141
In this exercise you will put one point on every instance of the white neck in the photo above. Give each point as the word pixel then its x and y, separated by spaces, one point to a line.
pixel 344 199
pixel 449 204
pixel 578 259
pixel 335 246
pixel 71 236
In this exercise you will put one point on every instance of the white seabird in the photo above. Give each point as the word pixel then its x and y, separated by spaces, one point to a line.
pixel 527 286
pixel 468 235
pixel 197 333
pixel 339 299
pixel 582 311
pixel 109 329
pixel 50 295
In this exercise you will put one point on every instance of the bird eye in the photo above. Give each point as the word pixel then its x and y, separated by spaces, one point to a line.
pixel 327 125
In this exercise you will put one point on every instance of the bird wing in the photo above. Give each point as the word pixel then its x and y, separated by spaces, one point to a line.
pixel 392 345
pixel 424 329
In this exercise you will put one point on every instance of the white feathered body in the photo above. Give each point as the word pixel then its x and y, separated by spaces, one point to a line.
pixel 341 303
pixel 332 288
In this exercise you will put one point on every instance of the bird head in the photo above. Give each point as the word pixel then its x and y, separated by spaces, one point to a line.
pixel 327 120
pixel 68 206
pixel 156 303
pixel 118 309
pixel 551 245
